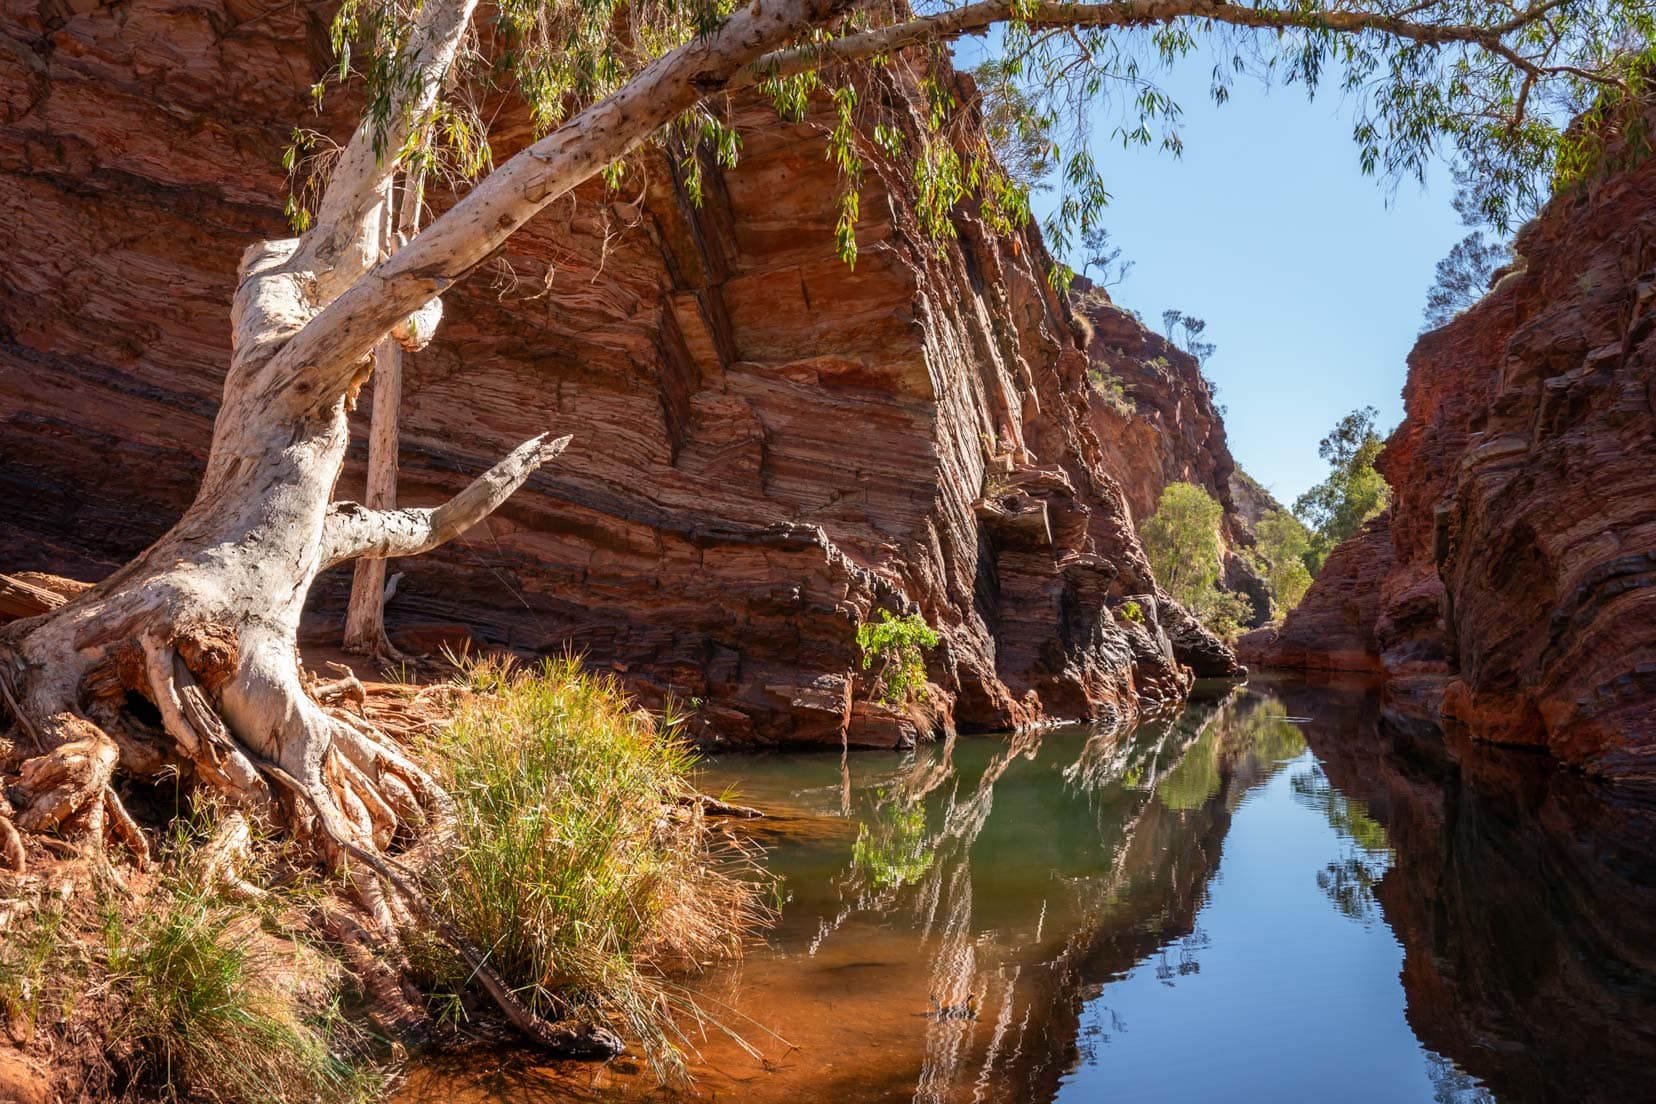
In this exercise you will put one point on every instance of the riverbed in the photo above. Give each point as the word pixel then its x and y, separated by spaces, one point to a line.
pixel 1295 893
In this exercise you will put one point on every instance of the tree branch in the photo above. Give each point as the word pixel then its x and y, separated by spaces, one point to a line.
pixel 745 50
pixel 978 17
pixel 352 530
pixel 345 331
pixel 345 239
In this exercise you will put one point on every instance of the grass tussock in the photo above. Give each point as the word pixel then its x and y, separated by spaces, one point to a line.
pixel 223 1000
pixel 581 863
pixel 181 993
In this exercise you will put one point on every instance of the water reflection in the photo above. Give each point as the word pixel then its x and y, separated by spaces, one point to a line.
pixel 1197 909
pixel 1524 897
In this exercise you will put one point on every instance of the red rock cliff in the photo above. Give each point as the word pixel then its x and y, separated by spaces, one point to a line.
pixel 769 445
pixel 1518 560
pixel 1153 412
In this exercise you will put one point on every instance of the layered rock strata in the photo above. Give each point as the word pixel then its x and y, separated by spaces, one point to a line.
pixel 770 445
pixel 1154 415
pixel 1517 564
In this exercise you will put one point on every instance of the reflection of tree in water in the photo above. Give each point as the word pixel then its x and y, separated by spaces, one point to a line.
pixel 1249 739
pixel 1350 880
pixel 912 855
pixel 1184 963
pixel 892 848
pixel 1350 884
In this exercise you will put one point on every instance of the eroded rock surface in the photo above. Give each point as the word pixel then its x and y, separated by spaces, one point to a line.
pixel 1522 532
pixel 1153 412
pixel 769 445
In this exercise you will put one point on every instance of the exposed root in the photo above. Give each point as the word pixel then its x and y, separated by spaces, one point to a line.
pixel 198 733
pixel 397 1011
pixel 125 829
pixel 64 788
pixel 11 847
pixel 713 807
pixel 227 853
pixel 357 796
pixel 346 687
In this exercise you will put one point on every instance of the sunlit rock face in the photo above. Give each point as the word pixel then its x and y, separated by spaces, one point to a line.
pixel 1154 415
pixel 1523 538
pixel 769 445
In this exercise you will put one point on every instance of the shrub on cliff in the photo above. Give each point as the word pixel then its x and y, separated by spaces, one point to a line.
pixel 1353 492
pixel 899 645
pixel 580 858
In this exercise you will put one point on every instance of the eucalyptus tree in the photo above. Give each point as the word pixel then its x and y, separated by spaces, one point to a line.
pixel 186 657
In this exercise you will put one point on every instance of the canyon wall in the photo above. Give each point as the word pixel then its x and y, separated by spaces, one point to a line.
pixel 1513 579
pixel 1154 415
pixel 769 445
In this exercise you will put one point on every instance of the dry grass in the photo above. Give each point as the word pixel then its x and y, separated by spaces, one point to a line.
pixel 218 1000
pixel 582 863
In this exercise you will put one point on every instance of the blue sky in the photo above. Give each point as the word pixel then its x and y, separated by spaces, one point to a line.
pixel 1310 277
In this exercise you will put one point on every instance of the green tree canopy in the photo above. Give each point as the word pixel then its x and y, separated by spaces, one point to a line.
pixel 1182 541
pixel 1284 544
pixel 1353 492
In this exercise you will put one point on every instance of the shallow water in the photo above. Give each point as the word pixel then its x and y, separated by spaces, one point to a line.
pixel 1291 895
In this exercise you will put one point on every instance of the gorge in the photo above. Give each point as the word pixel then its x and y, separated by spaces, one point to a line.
pixel 640 786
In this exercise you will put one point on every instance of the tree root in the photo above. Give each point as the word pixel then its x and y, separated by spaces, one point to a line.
pixel 64 787
pixel 69 789
pixel 227 853
pixel 356 796
pixel 11 847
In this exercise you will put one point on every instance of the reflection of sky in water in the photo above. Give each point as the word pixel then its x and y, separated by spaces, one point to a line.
pixel 1186 912
pixel 1276 995
pixel 1079 865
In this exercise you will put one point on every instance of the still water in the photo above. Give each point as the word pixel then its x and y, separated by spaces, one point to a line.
pixel 1294 894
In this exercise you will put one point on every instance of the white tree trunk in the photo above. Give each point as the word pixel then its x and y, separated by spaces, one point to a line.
pixel 365 614
pixel 203 625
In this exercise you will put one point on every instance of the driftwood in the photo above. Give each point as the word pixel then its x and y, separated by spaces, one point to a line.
pixel 21 598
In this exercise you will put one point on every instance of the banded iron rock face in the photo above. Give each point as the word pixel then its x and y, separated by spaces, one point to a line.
pixel 1164 428
pixel 1514 577
pixel 769 446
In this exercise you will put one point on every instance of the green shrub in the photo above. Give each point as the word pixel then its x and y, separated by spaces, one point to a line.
pixel 1182 542
pixel 581 861
pixel 1111 388
pixel 1222 612
pixel 1131 611
pixel 900 644
pixel 1284 544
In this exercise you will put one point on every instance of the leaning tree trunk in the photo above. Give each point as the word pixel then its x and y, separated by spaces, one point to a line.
pixel 365 611
pixel 187 657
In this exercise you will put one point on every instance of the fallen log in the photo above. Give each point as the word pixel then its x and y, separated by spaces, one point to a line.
pixel 20 598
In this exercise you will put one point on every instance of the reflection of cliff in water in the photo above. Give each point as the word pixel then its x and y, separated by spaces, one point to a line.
pixel 1036 871
pixel 1524 896
pixel 1000 920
